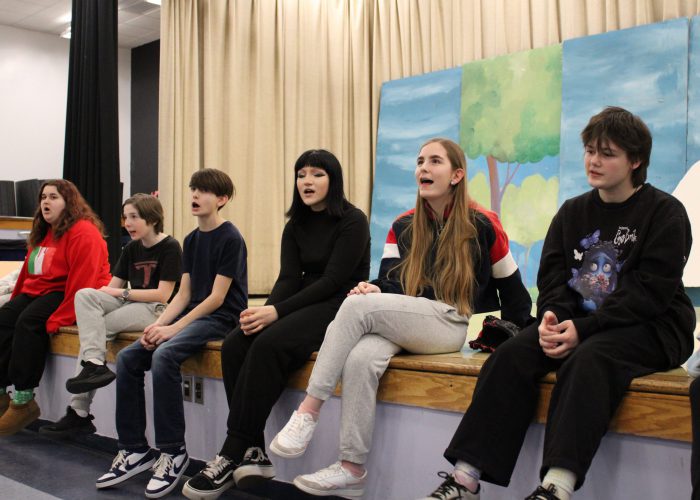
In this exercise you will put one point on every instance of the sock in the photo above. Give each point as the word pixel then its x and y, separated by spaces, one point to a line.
pixel 310 405
pixel 96 361
pixel 357 470
pixel 22 397
pixel 81 413
pixel 3 391
pixel 563 479
pixel 467 475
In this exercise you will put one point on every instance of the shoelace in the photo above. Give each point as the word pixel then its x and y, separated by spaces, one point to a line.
pixel 550 493
pixel 448 486
pixel 163 465
pixel 296 425
pixel 119 459
pixel 330 471
pixel 214 467
pixel 253 455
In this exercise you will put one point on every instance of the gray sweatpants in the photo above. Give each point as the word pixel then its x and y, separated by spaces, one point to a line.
pixel 367 331
pixel 100 317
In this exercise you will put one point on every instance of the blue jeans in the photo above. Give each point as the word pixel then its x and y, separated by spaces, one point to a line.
pixel 164 363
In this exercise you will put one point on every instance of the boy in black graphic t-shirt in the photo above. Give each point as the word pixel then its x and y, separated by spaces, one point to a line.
pixel 146 274
pixel 611 307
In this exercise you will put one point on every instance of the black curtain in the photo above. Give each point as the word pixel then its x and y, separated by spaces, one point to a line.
pixel 91 155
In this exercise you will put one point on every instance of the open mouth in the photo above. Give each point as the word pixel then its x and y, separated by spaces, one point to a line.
pixel 425 182
pixel 195 204
pixel 309 191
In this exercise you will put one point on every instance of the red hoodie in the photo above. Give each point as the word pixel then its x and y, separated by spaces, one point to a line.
pixel 77 260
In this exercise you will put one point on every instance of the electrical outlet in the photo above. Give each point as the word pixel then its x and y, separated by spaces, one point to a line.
pixel 187 387
pixel 199 390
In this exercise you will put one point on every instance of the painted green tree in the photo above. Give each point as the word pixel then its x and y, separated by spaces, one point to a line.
pixel 510 114
pixel 528 211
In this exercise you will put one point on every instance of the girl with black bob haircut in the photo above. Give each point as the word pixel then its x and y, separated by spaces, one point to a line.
pixel 336 204
pixel 325 252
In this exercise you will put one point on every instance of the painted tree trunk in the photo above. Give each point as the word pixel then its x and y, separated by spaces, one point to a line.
pixel 494 184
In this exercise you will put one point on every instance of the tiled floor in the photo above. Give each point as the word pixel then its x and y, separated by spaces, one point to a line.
pixel 33 467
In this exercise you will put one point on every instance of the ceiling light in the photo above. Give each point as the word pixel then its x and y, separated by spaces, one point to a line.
pixel 66 33
pixel 154 2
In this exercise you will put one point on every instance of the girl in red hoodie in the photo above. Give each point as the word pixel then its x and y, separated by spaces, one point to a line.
pixel 66 252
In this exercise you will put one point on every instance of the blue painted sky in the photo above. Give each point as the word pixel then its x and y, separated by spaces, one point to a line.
pixel 412 110
pixel 693 152
pixel 643 69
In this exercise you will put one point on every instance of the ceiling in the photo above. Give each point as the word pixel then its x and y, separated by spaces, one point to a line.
pixel 139 21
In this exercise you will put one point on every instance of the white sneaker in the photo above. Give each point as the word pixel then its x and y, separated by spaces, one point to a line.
pixel 292 440
pixel 333 480
pixel 167 472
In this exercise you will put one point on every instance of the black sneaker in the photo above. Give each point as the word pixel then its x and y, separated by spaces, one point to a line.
pixel 254 469
pixel 452 490
pixel 125 465
pixel 91 377
pixel 71 424
pixel 542 493
pixel 211 481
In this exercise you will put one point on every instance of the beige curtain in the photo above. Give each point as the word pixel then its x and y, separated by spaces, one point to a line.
pixel 247 85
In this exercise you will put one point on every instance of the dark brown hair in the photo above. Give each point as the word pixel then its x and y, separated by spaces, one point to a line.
pixel 211 180
pixel 625 130
pixel 76 209
pixel 148 208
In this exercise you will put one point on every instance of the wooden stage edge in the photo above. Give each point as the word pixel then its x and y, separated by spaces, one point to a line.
pixel 655 406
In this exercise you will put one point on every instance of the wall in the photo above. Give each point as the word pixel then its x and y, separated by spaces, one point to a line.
pixel 33 86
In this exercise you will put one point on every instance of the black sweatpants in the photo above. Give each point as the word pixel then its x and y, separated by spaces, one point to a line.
pixel 256 369
pixel 695 455
pixel 591 383
pixel 24 342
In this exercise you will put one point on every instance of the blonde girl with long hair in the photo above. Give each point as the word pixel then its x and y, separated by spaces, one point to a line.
pixel 443 260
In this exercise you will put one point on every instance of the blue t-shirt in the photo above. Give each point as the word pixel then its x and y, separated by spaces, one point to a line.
pixel 219 251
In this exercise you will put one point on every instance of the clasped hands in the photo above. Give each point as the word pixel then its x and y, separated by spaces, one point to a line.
pixel 557 339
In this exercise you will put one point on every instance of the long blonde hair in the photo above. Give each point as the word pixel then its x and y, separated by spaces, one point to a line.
pixel 452 276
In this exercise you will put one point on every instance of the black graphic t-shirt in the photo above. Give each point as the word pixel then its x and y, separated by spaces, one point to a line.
pixel 144 267
pixel 609 265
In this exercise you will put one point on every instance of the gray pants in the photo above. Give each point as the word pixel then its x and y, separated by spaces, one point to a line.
pixel 367 331
pixel 100 317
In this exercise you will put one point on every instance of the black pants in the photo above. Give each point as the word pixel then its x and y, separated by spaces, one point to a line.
pixel 591 382
pixel 256 369
pixel 24 342
pixel 695 456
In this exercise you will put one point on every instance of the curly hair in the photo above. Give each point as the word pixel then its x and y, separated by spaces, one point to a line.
pixel 76 209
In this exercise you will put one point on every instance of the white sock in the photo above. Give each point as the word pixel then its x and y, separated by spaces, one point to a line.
pixel 563 479
pixel 467 475
pixel 81 413
pixel 96 361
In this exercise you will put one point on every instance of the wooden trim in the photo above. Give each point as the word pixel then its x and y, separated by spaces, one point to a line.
pixel 19 223
pixel 655 406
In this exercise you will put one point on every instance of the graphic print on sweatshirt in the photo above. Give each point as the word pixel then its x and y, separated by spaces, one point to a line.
pixel 40 260
pixel 601 262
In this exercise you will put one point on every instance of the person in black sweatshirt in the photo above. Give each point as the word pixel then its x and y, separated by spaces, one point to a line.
pixel 325 252
pixel 611 307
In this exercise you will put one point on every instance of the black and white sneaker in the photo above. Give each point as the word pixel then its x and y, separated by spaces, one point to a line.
pixel 542 493
pixel 125 465
pixel 71 424
pixel 254 469
pixel 167 472
pixel 91 377
pixel 211 481
pixel 452 490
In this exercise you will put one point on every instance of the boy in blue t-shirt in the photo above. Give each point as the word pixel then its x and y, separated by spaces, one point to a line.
pixel 213 292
